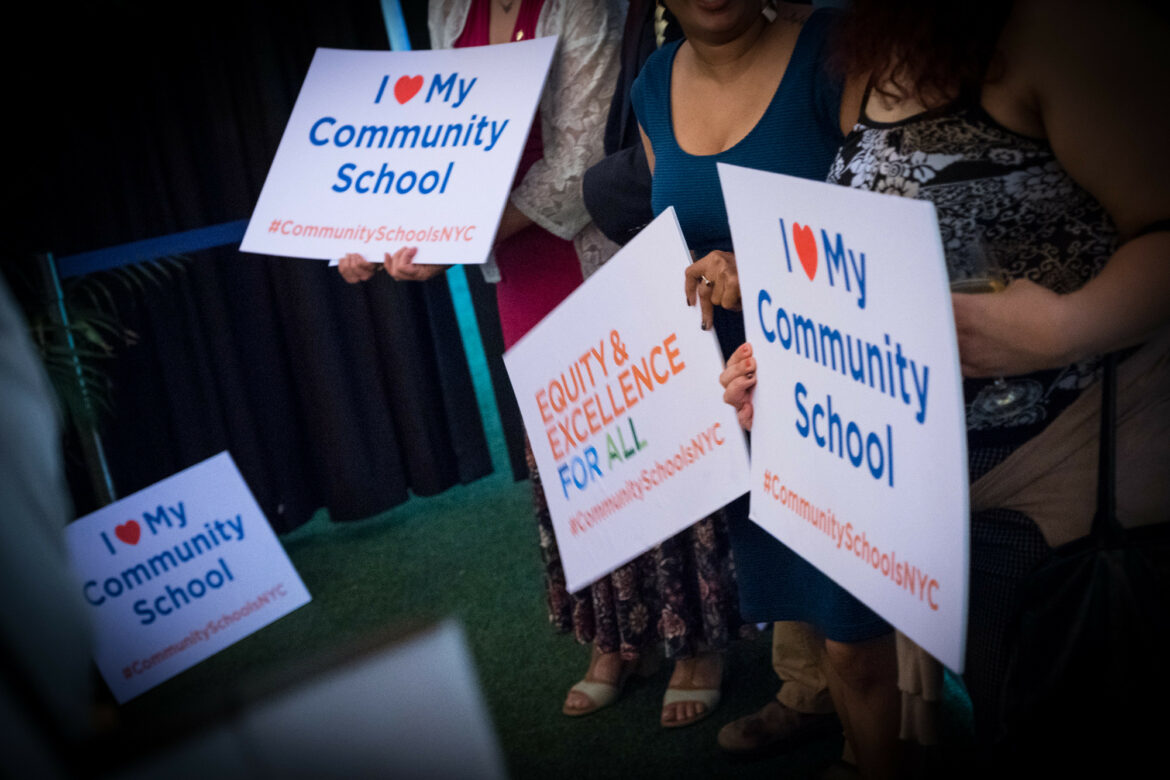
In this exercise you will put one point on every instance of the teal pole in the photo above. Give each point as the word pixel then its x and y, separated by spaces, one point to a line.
pixel 91 440
pixel 460 294
pixel 395 25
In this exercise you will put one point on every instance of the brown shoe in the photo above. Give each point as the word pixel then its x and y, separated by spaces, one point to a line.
pixel 774 726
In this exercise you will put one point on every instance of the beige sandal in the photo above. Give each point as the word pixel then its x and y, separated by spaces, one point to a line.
pixel 709 697
pixel 603 694
pixel 682 692
pixel 599 694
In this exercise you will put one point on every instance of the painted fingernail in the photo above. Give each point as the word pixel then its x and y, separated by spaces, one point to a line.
pixel 706 325
pixel 749 374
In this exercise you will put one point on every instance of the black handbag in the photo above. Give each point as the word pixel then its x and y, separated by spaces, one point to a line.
pixel 1088 655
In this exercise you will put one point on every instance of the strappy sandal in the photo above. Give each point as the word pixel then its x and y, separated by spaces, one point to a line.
pixel 708 697
pixel 603 694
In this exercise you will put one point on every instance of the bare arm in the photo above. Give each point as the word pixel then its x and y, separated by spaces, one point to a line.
pixel 649 149
pixel 1104 116
pixel 711 280
pixel 512 222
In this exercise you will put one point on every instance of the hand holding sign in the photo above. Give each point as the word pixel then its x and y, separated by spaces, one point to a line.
pixel 627 428
pixel 858 449
pixel 738 380
pixel 354 268
pixel 400 265
pixel 714 281
pixel 386 150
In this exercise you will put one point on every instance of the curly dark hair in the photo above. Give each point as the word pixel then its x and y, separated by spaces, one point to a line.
pixel 932 50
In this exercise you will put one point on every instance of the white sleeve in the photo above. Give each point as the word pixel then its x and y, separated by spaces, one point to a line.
pixel 573 111
pixel 445 20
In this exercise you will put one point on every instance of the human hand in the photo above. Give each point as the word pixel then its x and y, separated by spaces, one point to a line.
pixel 739 380
pixel 714 281
pixel 1017 331
pixel 354 268
pixel 401 266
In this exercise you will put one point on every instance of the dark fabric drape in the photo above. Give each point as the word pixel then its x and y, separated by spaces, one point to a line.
pixel 487 316
pixel 151 119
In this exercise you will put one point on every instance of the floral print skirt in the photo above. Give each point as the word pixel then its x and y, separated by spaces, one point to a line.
pixel 681 593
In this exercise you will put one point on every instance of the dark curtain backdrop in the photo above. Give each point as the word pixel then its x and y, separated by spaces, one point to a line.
pixel 142 119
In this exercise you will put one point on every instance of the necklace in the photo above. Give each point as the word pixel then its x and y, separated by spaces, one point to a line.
pixel 506 6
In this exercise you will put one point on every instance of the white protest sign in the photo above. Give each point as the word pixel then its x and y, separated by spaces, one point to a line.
pixel 178 571
pixel 435 725
pixel 391 149
pixel 859 456
pixel 619 391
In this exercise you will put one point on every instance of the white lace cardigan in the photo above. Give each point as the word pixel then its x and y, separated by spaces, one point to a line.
pixel 573 110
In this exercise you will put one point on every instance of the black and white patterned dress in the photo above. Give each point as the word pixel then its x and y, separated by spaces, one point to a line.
pixel 1003 196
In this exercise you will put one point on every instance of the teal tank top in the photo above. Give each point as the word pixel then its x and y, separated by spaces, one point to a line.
pixel 799 135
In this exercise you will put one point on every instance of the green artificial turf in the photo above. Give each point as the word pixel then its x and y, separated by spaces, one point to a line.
pixel 472 553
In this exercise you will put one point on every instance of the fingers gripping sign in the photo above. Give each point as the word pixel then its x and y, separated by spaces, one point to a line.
pixel 401 266
pixel 714 281
pixel 739 380
pixel 354 268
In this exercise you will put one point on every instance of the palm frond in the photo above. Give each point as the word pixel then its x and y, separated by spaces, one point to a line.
pixel 78 370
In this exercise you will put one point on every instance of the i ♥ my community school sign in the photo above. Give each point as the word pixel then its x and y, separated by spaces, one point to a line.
pixel 859 452
pixel 177 572
pixel 619 391
pixel 391 149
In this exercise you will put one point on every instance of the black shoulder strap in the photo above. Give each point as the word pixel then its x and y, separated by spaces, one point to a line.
pixel 1105 524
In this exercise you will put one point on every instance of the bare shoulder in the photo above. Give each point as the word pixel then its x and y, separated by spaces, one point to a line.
pixel 1107 55
pixel 1096 74
pixel 1054 51
pixel 1107 37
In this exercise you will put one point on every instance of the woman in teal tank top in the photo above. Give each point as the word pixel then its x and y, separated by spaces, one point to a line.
pixel 757 93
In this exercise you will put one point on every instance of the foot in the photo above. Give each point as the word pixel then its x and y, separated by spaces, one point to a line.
pixel 693 690
pixel 601 685
pixel 774 725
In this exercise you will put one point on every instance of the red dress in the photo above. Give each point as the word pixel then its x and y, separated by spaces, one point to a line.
pixel 537 269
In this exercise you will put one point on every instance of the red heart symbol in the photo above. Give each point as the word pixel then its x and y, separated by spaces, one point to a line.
pixel 806 248
pixel 407 87
pixel 128 532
